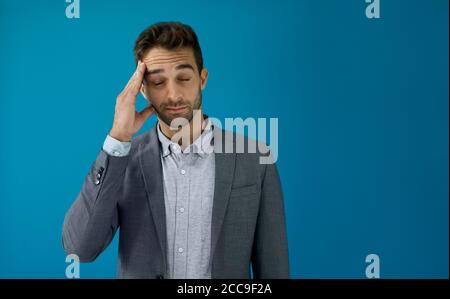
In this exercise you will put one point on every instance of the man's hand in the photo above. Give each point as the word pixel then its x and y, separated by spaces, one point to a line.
pixel 127 121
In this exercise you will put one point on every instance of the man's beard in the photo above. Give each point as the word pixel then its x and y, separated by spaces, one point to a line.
pixel 168 117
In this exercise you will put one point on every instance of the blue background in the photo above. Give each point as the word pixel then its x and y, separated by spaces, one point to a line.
pixel 362 107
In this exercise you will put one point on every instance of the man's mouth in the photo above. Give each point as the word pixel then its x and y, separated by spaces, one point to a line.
pixel 176 109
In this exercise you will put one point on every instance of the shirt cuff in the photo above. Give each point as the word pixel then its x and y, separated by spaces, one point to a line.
pixel 114 147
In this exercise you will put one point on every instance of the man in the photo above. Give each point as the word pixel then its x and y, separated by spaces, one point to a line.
pixel 185 208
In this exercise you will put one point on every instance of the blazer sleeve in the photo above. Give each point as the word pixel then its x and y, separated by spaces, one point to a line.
pixel 270 249
pixel 92 220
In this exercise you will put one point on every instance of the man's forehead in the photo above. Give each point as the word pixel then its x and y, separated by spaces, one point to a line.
pixel 160 57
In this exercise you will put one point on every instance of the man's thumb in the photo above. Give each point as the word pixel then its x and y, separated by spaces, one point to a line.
pixel 145 113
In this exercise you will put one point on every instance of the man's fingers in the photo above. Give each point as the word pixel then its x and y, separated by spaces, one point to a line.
pixel 135 82
pixel 130 81
pixel 137 79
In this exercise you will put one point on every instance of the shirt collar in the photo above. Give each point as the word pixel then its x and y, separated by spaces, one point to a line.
pixel 201 146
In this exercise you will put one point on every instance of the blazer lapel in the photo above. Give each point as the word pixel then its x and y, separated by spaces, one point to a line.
pixel 224 174
pixel 151 168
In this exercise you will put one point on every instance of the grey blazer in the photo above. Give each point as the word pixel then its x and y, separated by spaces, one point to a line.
pixel 248 223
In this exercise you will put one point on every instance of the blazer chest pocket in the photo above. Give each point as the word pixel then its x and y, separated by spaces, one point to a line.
pixel 244 190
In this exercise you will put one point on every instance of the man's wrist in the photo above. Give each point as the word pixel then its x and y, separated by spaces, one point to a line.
pixel 120 137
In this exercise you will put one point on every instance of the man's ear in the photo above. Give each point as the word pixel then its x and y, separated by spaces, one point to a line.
pixel 203 77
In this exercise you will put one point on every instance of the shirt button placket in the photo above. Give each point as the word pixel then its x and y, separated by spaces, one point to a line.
pixel 182 223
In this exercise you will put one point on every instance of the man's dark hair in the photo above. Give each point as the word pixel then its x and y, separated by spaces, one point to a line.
pixel 170 36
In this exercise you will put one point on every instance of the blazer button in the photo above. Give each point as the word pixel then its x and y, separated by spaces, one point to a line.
pixel 99 176
pixel 159 277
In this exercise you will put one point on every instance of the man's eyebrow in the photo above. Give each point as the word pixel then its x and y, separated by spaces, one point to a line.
pixel 178 67
pixel 155 71
pixel 184 66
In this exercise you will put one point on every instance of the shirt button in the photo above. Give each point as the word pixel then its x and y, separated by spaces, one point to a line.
pixel 180 250
pixel 183 171
pixel 181 210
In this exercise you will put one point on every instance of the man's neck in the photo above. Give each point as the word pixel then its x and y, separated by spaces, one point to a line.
pixel 185 135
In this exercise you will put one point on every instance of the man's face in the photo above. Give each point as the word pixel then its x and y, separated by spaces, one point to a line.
pixel 172 83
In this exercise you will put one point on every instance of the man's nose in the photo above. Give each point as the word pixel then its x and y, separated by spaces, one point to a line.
pixel 173 93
